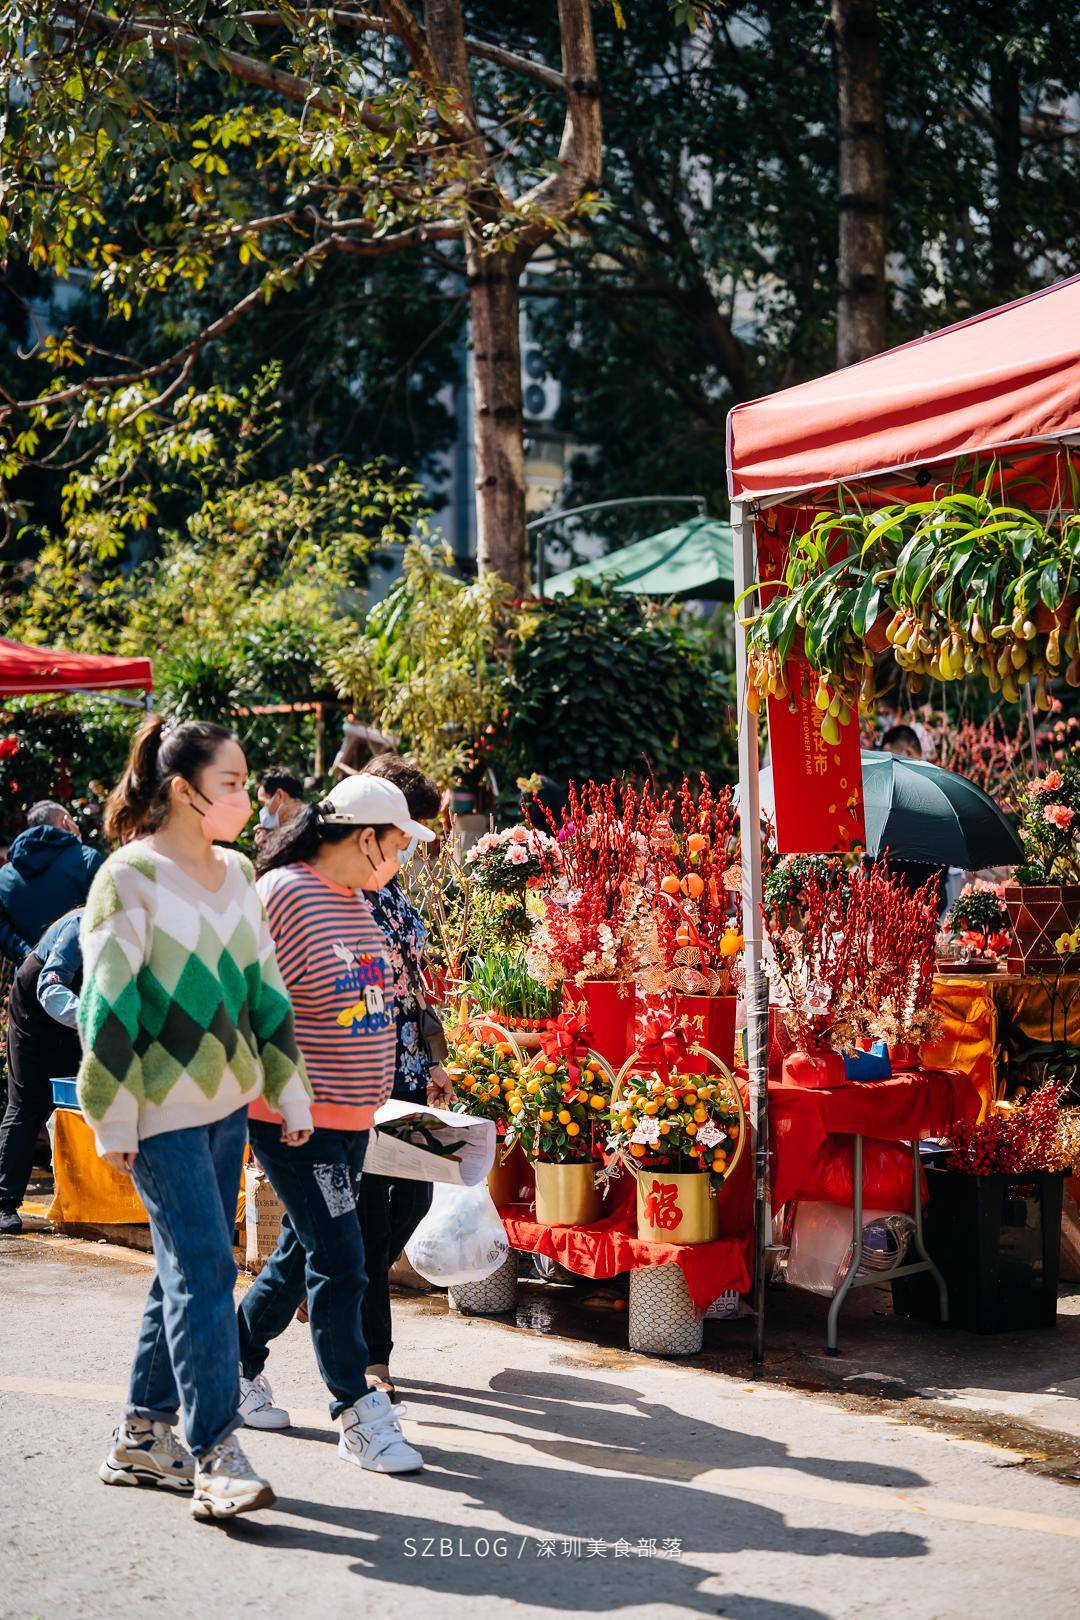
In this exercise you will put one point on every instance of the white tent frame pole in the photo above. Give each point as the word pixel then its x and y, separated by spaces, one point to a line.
pixel 756 994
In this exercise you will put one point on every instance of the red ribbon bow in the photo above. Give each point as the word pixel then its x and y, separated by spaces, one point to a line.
pixel 660 1035
pixel 565 1040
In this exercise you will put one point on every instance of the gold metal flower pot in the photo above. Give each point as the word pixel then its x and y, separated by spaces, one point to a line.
pixel 676 1208
pixel 567 1194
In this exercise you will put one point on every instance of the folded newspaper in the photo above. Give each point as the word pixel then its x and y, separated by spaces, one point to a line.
pixel 418 1143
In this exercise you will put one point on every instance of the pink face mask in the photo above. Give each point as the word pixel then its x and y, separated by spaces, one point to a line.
pixel 386 869
pixel 226 818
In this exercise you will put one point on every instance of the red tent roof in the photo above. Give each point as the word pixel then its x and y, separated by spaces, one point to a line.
pixel 36 669
pixel 1006 382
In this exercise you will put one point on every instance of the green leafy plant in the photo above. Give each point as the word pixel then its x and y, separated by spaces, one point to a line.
pixel 501 983
pixel 604 683
pixel 960 584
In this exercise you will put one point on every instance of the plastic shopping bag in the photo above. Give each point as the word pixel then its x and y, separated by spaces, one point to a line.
pixel 461 1238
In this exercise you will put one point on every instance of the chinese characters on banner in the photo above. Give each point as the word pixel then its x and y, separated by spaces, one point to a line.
pixel 817 788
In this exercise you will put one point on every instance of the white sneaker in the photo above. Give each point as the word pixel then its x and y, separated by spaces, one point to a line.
pixel 257 1404
pixel 227 1484
pixel 371 1437
pixel 145 1453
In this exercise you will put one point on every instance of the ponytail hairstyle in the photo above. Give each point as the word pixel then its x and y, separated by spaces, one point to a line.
pixel 139 803
pixel 304 834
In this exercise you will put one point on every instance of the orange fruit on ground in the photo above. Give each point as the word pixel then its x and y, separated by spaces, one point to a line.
pixel 564 1116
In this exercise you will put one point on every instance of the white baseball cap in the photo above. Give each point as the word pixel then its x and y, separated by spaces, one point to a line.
pixel 371 801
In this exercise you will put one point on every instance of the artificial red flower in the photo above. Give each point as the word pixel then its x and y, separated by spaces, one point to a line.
pixel 9 747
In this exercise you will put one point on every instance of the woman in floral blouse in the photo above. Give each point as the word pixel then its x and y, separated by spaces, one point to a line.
pixel 390 1210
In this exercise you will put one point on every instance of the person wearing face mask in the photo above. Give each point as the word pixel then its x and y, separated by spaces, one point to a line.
pixel 315 878
pixel 281 797
pixel 184 1020
pixel 392 1208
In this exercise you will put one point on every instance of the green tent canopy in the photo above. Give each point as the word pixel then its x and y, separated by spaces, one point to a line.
pixel 691 560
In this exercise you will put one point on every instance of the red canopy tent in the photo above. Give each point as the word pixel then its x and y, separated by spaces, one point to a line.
pixel 1004 386
pixel 25 670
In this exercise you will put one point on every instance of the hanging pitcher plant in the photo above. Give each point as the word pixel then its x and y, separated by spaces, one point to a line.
pixel 956 585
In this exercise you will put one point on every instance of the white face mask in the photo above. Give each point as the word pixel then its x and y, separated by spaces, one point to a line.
pixel 269 819
pixel 405 855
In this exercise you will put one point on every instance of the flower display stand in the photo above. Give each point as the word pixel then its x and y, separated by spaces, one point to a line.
pixel 663 1321
pixel 494 1296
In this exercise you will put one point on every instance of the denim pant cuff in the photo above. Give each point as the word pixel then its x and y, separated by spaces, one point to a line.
pixel 150 1415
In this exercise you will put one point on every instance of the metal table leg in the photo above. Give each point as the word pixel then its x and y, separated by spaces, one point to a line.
pixel 856 1248
pixel 920 1246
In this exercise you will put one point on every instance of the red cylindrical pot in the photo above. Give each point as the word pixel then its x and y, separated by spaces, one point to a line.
pixel 711 1023
pixel 814 1070
pixel 904 1055
pixel 608 1004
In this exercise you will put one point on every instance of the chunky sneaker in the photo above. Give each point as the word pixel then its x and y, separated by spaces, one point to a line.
pixel 371 1437
pixel 10 1223
pixel 145 1453
pixel 257 1404
pixel 227 1484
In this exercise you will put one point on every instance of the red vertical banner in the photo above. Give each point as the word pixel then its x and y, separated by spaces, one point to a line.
pixel 817 787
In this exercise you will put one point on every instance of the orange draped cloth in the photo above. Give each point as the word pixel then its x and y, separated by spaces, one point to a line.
pixel 992 1025
pixel 86 1190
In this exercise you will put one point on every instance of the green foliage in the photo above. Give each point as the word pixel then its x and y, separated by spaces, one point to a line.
pixel 1050 826
pixel 71 749
pixel 429 666
pixel 501 983
pixel 605 684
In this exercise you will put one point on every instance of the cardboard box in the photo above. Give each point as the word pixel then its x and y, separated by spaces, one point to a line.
pixel 263 1216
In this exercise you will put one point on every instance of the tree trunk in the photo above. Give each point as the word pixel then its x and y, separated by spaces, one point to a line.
pixel 1005 269
pixel 502 542
pixel 860 316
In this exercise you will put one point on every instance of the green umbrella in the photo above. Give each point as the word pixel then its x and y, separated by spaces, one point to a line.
pixel 922 812
pixel 691 560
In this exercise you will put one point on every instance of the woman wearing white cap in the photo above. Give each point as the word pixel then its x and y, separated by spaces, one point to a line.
pixel 332 956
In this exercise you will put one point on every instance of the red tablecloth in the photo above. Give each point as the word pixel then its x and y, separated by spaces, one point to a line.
pixel 909 1107
pixel 610 1245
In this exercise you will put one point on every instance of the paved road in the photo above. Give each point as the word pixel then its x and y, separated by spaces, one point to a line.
pixel 561 1479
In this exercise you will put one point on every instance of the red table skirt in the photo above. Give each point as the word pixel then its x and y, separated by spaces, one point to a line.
pixel 610 1245
pixel 809 1161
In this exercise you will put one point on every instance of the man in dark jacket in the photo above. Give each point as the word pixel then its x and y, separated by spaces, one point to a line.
pixel 42 1046
pixel 49 872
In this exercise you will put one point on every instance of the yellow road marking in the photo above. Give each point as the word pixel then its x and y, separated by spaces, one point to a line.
pixel 785 1483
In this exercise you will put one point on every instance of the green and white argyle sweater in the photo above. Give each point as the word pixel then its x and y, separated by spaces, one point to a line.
pixel 184 1016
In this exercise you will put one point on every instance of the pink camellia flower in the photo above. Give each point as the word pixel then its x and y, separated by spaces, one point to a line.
pixel 1048 783
pixel 517 855
pixel 1059 815
pixel 519 835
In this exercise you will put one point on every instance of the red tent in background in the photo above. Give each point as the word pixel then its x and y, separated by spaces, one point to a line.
pixel 1006 382
pixel 25 670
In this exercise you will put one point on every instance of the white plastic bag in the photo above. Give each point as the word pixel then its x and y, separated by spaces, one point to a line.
pixel 461 1238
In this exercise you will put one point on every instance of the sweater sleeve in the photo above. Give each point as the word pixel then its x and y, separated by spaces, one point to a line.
pixel 286 1088
pixel 114 934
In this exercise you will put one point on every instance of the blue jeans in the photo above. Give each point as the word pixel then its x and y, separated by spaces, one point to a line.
pixel 188 1351
pixel 320 1254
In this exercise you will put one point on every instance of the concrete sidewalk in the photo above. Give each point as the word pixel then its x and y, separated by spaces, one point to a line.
pixel 562 1476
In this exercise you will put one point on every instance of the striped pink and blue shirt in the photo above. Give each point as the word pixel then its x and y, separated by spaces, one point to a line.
pixel 342 981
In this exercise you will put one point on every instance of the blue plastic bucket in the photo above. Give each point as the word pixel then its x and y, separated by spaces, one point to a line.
pixel 63 1093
